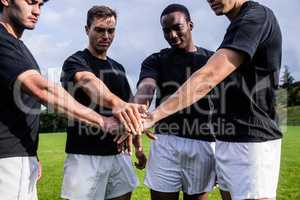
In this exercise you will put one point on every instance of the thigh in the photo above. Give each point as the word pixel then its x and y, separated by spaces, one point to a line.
pixel 83 176
pixel 18 178
pixel 163 172
pixel 198 166
pixel 155 195
pixel 122 179
pixel 123 197
pixel 257 165
pixel 203 196
pixel 225 195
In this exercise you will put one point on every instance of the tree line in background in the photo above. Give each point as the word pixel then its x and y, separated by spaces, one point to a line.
pixel 292 88
pixel 288 95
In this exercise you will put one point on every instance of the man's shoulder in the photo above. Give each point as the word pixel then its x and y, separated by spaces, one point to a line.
pixel 159 54
pixel 7 41
pixel 78 54
pixel 254 11
pixel 78 57
pixel 204 51
pixel 115 64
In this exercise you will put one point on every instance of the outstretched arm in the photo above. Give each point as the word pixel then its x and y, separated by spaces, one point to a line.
pixel 218 67
pixel 128 113
pixel 50 94
pixel 144 95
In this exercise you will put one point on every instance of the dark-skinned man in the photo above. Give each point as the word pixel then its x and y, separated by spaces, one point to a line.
pixel 182 157
pixel 246 66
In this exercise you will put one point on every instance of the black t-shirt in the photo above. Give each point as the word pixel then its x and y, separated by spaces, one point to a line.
pixel 19 119
pixel 82 139
pixel 171 68
pixel 247 110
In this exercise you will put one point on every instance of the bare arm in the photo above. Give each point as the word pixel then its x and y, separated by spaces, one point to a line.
pixel 127 113
pixel 145 92
pixel 55 96
pixel 144 95
pixel 218 67
pixel 97 90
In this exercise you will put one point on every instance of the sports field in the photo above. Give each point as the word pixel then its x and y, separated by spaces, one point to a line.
pixel 51 153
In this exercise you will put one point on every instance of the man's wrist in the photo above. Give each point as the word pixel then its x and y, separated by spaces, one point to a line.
pixel 138 148
pixel 155 116
pixel 116 103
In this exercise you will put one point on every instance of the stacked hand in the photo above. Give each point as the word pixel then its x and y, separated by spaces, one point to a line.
pixel 131 116
pixel 127 125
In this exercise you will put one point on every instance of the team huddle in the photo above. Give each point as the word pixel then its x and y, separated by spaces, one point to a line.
pixel 214 122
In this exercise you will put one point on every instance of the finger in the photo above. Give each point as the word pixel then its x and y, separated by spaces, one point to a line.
pixel 117 137
pixel 143 108
pixel 119 147
pixel 135 118
pixel 122 138
pixel 123 121
pixel 142 160
pixel 129 144
pixel 138 165
pixel 128 121
pixel 39 170
pixel 137 113
pixel 150 134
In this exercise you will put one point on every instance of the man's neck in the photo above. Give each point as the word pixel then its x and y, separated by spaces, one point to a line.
pixel 9 26
pixel 191 48
pixel 101 55
pixel 231 15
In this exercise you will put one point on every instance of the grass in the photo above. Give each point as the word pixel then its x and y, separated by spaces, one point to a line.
pixel 293 113
pixel 51 153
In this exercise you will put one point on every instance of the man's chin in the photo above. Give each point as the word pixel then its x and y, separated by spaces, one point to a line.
pixel 219 12
pixel 29 26
pixel 101 49
pixel 175 46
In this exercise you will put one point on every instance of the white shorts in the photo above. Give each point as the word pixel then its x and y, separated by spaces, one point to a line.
pixel 248 170
pixel 18 178
pixel 97 177
pixel 179 164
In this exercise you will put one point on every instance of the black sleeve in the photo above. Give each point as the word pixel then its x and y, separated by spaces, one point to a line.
pixel 75 63
pixel 246 32
pixel 150 67
pixel 12 63
pixel 130 94
pixel 126 85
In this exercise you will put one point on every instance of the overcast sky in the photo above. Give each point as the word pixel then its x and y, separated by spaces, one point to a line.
pixel 60 31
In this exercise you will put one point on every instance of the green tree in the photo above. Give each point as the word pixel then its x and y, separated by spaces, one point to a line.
pixel 287 79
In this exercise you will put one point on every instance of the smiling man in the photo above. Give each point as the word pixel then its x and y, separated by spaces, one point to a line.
pixel 182 157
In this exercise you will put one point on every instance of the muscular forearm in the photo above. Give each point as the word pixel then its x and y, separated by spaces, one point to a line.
pixel 62 102
pixel 191 91
pixel 219 66
pixel 50 94
pixel 99 92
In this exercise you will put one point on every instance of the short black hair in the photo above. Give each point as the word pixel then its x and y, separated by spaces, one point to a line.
pixel 176 8
pixel 99 12
pixel 1 5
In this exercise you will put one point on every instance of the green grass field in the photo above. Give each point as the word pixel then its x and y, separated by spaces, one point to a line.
pixel 51 153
